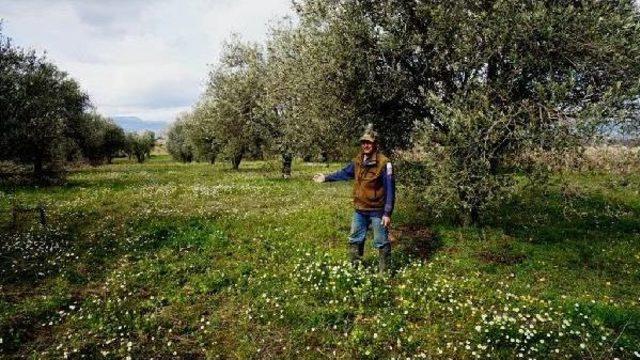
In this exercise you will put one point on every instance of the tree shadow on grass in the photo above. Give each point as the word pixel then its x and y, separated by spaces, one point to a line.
pixel 96 260
pixel 70 183
pixel 553 217
pixel 105 183
pixel 579 231
pixel 35 254
pixel 588 234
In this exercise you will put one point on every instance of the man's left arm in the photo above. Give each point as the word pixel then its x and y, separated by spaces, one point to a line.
pixel 389 184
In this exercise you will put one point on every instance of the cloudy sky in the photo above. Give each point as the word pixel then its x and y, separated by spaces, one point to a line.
pixel 139 58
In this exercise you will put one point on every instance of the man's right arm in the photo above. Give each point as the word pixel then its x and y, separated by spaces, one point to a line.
pixel 347 173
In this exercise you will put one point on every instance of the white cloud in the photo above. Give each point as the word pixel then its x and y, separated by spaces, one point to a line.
pixel 139 58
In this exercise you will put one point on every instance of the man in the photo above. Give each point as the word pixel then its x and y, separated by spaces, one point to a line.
pixel 373 197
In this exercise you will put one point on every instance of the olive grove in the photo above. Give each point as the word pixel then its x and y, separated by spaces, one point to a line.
pixel 473 87
pixel 46 119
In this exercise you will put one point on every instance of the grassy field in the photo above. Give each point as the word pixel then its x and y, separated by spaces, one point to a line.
pixel 168 260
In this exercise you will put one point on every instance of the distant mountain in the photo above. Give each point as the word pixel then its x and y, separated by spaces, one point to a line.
pixel 135 124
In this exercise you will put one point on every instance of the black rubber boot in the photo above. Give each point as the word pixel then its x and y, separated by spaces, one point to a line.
pixel 356 250
pixel 384 259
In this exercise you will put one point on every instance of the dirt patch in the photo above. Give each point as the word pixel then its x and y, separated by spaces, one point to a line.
pixel 415 241
pixel 503 254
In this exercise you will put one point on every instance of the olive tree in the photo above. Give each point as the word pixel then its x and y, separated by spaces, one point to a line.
pixel 178 143
pixel 140 145
pixel 202 131
pixel 303 112
pixel 114 141
pixel 37 104
pixel 483 82
pixel 232 100
pixel 95 138
pixel 362 81
pixel 544 80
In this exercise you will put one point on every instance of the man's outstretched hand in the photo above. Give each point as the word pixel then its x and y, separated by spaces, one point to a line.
pixel 319 178
pixel 386 221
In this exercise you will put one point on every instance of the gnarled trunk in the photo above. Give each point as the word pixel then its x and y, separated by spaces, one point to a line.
pixel 324 156
pixel 287 159
pixel 236 159
pixel 38 169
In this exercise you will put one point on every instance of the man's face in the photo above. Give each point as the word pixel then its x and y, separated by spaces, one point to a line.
pixel 367 147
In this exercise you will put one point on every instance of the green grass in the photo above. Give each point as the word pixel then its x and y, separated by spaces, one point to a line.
pixel 197 261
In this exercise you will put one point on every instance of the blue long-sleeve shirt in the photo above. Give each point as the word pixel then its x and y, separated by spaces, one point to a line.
pixel 388 183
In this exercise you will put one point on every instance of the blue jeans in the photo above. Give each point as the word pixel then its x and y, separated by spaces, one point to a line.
pixel 360 224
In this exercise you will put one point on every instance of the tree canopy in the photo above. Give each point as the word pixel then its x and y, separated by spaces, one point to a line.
pixel 46 118
pixel 474 86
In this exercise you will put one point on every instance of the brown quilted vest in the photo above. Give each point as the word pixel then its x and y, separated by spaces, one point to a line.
pixel 368 191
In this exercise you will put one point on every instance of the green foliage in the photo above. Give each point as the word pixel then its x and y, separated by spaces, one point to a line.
pixel 278 101
pixel 373 73
pixel 178 144
pixel 303 111
pixel 545 88
pixel 232 98
pixel 140 145
pixel 37 105
pixel 96 138
pixel 485 81
pixel 201 131
pixel 114 140
pixel 43 118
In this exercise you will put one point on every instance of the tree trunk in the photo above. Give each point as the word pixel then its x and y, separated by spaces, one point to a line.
pixel 474 215
pixel 325 156
pixel 38 169
pixel 237 158
pixel 470 217
pixel 287 159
